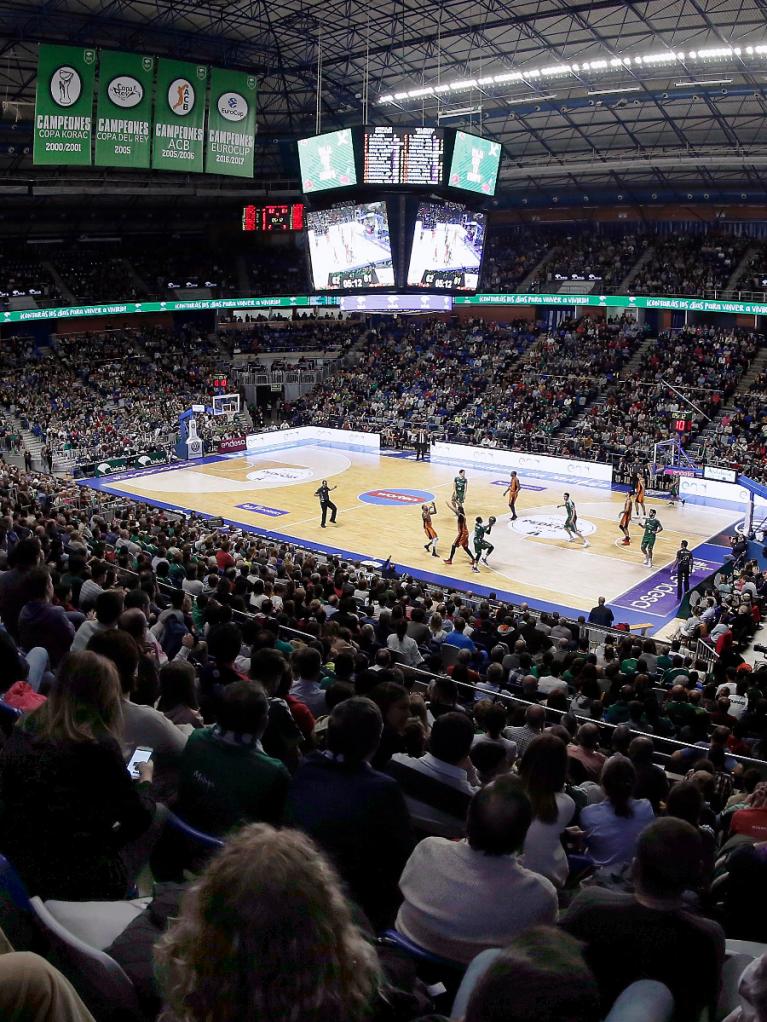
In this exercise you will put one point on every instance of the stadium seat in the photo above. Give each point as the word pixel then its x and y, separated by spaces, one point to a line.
pixel 99 980
pixel 205 841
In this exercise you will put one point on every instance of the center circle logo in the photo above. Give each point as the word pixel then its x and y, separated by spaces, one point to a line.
pixel 549 526
pixel 284 475
pixel 125 91
pixel 232 106
pixel 66 86
pixel 181 96
pixel 396 497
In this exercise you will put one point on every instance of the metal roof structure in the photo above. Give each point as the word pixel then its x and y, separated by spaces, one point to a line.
pixel 597 101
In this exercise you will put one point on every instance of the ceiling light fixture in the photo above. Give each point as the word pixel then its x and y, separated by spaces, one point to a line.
pixel 619 64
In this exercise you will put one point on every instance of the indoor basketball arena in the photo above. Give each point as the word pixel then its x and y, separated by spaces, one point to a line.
pixel 383 511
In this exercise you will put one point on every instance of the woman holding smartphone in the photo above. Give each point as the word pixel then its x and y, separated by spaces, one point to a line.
pixel 70 807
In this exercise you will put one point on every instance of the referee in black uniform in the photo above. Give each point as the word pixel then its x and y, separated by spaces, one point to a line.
pixel 684 559
pixel 421 444
pixel 325 502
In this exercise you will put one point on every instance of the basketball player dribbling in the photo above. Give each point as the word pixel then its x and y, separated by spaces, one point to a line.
pixel 513 491
pixel 462 539
pixel 625 518
pixel 483 549
pixel 427 513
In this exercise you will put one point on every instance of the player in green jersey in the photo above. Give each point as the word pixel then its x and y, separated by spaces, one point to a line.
pixel 571 520
pixel 652 527
pixel 460 486
pixel 483 549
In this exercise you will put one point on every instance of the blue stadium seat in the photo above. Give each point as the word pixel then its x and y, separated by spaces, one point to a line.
pixel 205 841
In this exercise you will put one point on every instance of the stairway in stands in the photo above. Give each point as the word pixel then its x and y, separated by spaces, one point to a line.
pixel 573 427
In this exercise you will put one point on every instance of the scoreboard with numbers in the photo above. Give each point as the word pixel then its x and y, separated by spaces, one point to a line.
pixel 286 217
pixel 403 156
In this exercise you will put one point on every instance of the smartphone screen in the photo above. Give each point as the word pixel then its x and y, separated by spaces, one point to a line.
pixel 140 755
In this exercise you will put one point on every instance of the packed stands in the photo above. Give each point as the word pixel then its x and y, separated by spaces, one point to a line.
pixel 622 748
pixel 682 265
pixel 686 374
pixel 592 259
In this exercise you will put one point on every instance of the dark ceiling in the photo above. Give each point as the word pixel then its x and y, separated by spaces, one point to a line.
pixel 685 121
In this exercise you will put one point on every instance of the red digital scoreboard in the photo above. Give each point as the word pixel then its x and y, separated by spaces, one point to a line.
pixel 287 217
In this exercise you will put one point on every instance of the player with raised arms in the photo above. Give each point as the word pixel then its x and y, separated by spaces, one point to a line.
pixel 513 491
pixel 639 495
pixel 462 539
pixel 625 518
pixel 460 488
pixel 571 520
pixel 483 549
pixel 652 527
pixel 427 513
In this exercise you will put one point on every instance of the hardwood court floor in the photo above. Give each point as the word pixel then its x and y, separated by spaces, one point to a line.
pixel 274 492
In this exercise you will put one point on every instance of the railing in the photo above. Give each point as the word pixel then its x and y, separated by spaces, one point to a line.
pixel 424 678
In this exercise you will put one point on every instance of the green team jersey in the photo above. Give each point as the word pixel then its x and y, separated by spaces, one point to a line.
pixel 460 486
pixel 570 510
pixel 651 527
pixel 479 535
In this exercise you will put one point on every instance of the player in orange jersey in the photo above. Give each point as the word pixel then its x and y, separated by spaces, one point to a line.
pixel 428 511
pixel 513 491
pixel 462 539
pixel 639 495
pixel 625 518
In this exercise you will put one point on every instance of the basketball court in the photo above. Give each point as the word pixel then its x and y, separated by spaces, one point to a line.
pixel 379 497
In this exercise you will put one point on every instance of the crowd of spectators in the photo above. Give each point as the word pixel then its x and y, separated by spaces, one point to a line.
pixel 419 372
pixel 510 255
pixel 599 260
pixel 534 399
pixel 293 335
pixel 94 276
pixel 506 799
pixel 739 438
pixel 684 265
pixel 698 366
pixel 117 393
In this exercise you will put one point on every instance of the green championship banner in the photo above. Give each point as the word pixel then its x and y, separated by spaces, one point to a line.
pixel 179 116
pixel 64 105
pixel 124 110
pixel 231 123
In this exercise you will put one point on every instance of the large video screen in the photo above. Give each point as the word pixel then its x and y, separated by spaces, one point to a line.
pixel 327 161
pixel 403 156
pixel 475 164
pixel 447 247
pixel 349 247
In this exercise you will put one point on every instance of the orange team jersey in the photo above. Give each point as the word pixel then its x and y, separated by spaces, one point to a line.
pixel 625 520
pixel 640 490
pixel 463 532
pixel 428 528
pixel 513 488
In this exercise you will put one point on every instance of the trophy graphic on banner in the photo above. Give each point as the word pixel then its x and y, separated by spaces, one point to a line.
pixel 193 441
pixel 476 159
pixel 325 152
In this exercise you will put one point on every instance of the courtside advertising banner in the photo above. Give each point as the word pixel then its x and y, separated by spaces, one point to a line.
pixel 179 136
pixel 64 105
pixel 124 110
pixel 231 123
